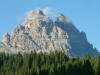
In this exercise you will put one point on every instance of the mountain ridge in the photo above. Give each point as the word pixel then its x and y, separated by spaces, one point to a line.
pixel 38 32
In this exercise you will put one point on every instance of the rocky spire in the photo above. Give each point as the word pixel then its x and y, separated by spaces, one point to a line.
pixel 62 18
pixel 37 18
pixel 35 14
pixel 6 38
pixel 38 11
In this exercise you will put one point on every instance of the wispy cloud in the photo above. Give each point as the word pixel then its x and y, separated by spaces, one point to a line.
pixel 47 10
pixel 51 12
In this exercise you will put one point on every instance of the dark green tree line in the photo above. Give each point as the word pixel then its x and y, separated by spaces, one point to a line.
pixel 55 63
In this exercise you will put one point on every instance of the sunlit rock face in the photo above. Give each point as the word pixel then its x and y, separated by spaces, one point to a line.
pixel 38 32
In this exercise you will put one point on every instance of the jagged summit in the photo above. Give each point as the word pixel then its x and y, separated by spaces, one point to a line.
pixel 38 11
pixel 35 14
pixel 38 32
pixel 6 38
pixel 36 18
pixel 62 18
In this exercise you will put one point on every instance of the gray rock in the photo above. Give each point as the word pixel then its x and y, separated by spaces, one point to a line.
pixel 38 32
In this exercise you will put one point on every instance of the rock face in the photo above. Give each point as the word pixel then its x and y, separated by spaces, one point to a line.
pixel 38 32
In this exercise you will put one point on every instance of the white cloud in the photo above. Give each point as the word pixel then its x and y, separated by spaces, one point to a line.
pixel 47 10
pixel 28 13
pixel 51 12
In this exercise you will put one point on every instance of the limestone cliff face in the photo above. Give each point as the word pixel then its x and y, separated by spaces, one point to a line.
pixel 38 32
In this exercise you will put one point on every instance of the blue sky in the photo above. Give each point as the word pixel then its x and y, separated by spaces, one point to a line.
pixel 85 14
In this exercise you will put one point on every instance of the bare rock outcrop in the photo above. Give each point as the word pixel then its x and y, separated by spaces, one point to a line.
pixel 38 32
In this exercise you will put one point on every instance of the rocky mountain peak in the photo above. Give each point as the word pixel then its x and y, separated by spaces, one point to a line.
pixel 6 38
pixel 62 18
pixel 37 19
pixel 38 32
pixel 35 14
pixel 39 12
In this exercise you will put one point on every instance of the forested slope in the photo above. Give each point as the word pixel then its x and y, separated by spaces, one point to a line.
pixel 48 64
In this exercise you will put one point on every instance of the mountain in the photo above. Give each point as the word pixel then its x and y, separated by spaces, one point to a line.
pixel 38 32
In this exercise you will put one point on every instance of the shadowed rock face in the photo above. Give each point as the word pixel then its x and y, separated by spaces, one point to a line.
pixel 38 32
